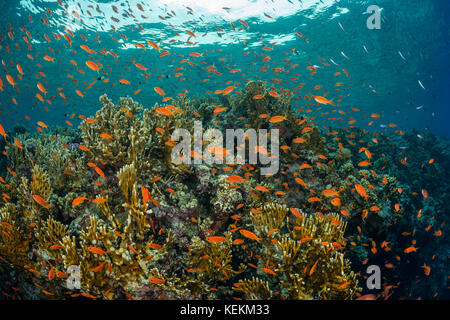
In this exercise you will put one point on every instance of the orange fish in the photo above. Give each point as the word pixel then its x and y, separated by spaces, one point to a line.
pixel 274 94
pixel 17 142
pixel 96 250
pixel 269 271
pixel 105 136
pixel 48 58
pixel 100 172
pixel 261 188
pixel 159 91
pixel 361 191
pixel 51 274
pixel 92 65
pixel 41 88
pixel 153 45
pixel 367 297
pixel 41 124
pixel 298 140
pixel 164 111
pixel 77 201
pixel 216 239
pixel 249 234
pixel 276 119
pixel 296 213
pixel 41 201
pixel 323 100
pixel 235 179
pixel 301 182
pixel 228 90
pixel 313 267
pixel 2 132
pixel 336 202
pixel 426 268
pixel 410 249
pixel 330 193
pixel 96 269
pixel 145 194
pixel 156 280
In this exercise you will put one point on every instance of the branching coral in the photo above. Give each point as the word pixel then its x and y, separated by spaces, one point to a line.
pixel 138 226
pixel 125 133
pixel 305 261
pixel 254 289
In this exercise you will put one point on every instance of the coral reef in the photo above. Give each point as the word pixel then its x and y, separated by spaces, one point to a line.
pixel 108 200
pixel 419 161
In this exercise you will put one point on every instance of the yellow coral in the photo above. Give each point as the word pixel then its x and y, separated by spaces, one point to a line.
pixel 254 289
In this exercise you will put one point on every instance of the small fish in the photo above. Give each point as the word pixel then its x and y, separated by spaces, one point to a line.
pixel 156 280
pixel 322 100
pixel 41 201
pixel 367 297
pixel 261 188
pixel 216 239
pixel 426 269
pixel 96 269
pixel 153 45
pixel 159 91
pixel 92 65
pixel 2 132
pixel 420 83
pixel 77 201
pixel 97 250
pixel 105 136
pixel 235 179
pixel 100 172
pixel 425 194
pixel 268 271
pixel 332 61
pixel 249 234
pixel 410 249
pixel 361 191
pixel 276 119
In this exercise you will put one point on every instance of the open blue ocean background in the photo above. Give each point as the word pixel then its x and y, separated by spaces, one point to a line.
pixel 384 66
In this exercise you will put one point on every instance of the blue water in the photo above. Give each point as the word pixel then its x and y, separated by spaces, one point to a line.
pixel 389 80
pixel 381 80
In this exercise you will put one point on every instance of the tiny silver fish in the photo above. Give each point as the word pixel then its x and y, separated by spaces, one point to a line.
pixel 421 85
